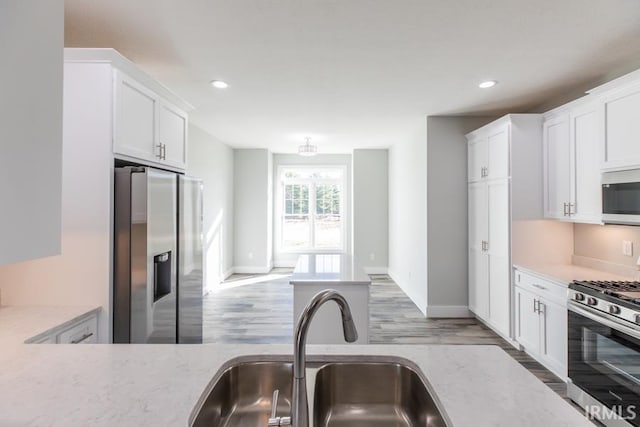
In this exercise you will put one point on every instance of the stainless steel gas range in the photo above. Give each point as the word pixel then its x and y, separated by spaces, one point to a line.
pixel 604 350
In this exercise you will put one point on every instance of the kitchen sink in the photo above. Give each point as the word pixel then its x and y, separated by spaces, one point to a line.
pixel 383 391
pixel 372 394
pixel 242 395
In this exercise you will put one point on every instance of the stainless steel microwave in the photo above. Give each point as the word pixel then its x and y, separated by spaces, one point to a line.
pixel 621 197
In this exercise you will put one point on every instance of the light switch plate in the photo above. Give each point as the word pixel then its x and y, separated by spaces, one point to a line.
pixel 627 248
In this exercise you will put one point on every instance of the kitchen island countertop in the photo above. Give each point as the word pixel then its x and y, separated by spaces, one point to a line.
pixel 159 385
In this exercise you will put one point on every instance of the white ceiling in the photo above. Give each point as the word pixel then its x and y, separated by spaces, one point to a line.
pixel 360 73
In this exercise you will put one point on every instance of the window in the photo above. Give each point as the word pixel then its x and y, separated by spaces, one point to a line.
pixel 311 203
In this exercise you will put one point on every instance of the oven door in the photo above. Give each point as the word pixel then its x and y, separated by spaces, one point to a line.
pixel 604 360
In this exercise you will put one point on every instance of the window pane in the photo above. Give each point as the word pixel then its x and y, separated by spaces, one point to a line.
pixel 288 206
pixel 328 231
pixel 295 231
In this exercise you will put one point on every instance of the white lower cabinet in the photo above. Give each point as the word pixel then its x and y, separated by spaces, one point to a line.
pixel 84 331
pixel 541 321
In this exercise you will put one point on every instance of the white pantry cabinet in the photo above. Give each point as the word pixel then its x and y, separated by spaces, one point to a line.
pixel 489 154
pixel 572 163
pixel 510 187
pixel 541 321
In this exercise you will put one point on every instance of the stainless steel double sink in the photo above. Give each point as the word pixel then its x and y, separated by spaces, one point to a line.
pixel 345 392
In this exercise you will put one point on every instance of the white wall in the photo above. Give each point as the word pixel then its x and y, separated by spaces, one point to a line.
pixel 447 241
pixel 251 211
pixel 81 275
pixel 32 36
pixel 283 259
pixel 408 215
pixel 371 209
pixel 212 161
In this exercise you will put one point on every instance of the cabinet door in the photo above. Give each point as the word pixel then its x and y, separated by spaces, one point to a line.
pixel 553 350
pixel 586 200
pixel 498 142
pixel 527 321
pixel 477 159
pixel 498 251
pixel 135 119
pixel 173 135
pixel 478 259
pixel 621 129
pixel 557 167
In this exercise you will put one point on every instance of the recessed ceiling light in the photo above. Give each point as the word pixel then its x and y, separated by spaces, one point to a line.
pixel 219 84
pixel 487 84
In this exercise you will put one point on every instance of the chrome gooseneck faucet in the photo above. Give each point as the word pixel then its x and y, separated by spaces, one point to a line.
pixel 300 406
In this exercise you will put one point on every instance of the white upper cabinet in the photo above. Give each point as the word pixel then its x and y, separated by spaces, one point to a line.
pixel 136 120
pixel 172 142
pixel 147 126
pixel 557 166
pixel 149 123
pixel 572 163
pixel 586 190
pixel 621 128
pixel 31 124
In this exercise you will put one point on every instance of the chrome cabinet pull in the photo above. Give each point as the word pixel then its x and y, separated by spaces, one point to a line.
pixel 163 150
pixel 159 155
pixel 564 209
pixel 542 308
pixel 571 209
pixel 82 338
pixel 535 305
pixel 538 286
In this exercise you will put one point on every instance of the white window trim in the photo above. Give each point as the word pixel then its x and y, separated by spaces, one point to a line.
pixel 279 207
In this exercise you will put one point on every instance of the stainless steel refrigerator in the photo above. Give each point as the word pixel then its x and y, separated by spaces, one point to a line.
pixel 158 260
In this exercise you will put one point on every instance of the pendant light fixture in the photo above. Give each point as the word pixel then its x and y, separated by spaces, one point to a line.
pixel 307 149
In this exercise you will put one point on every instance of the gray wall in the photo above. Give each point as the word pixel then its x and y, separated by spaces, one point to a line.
pixel 212 161
pixel 371 209
pixel 447 242
pixel 408 214
pixel 251 211
pixel 605 242
pixel 289 259
pixel 32 34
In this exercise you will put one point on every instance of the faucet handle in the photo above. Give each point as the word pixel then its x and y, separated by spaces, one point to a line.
pixel 273 420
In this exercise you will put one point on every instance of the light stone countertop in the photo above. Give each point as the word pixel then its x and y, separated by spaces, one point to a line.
pixel 567 273
pixel 21 323
pixel 338 269
pixel 159 385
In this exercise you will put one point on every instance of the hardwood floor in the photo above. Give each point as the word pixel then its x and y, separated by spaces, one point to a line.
pixel 257 309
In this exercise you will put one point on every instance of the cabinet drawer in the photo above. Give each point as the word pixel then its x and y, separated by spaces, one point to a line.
pixel 541 287
pixel 84 332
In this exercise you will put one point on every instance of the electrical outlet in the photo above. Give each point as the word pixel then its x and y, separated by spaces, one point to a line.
pixel 627 248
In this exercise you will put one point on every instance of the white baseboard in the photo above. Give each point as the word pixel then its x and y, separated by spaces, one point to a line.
pixel 414 298
pixel 439 311
pixel 226 274
pixel 251 270
pixel 375 270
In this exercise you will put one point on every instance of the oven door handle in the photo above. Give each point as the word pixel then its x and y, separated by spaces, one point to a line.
pixel 604 319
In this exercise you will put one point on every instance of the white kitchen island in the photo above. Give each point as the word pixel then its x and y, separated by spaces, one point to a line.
pixel 317 272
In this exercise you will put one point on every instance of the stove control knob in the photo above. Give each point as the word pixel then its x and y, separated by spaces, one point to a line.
pixel 578 297
pixel 614 309
pixel 592 301
pixel 638 319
